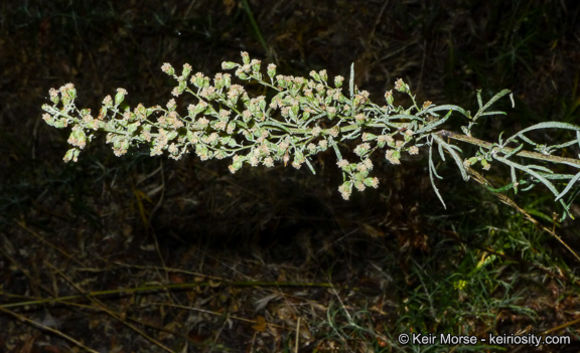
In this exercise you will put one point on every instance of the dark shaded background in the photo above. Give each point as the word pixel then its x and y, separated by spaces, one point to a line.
pixel 106 209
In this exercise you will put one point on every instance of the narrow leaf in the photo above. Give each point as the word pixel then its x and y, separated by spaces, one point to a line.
pixel 531 172
pixel 432 172
pixel 448 107
pixel 546 125
pixel 494 112
pixel 335 147
pixel 494 99
pixel 569 186
pixel 310 166
pixel 514 151
pixel 351 81
pixel 514 179
pixel 453 154
pixel 433 125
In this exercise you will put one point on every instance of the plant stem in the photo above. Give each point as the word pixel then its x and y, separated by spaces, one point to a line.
pixel 523 153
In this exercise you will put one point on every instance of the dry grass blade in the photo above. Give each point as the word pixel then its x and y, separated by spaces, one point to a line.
pixel 47 328
pixel 100 305
pixel 151 289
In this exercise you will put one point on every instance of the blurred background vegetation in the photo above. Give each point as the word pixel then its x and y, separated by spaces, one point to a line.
pixel 273 259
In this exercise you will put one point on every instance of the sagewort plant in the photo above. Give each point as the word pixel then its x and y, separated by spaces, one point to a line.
pixel 299 117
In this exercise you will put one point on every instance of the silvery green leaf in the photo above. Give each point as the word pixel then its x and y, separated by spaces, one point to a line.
pixel 432 174
pixel 440 150
pixel 514 151
pixel 531 172
pixel 546 125
pixel 514 179
pixel 448 107
pixel 569 186
pixel 493 99
pixel 310 166
pixel 351 82
pixel 540 168
pixel 119 97
pixel 456 158
pixel 335 148
pixel 434 124
pixel 228 65
pixel 495 112
pixel 71 155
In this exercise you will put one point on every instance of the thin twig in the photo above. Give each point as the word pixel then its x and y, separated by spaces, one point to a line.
pixel 506 150
pixel 297 335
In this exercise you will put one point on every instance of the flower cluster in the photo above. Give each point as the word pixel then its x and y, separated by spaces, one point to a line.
pixel 299 119
pixel 294 119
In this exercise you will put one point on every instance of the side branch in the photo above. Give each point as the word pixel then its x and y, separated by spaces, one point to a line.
pixel 522 153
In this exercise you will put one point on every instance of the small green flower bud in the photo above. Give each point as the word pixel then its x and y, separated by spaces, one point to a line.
pixel 77 137
pixel 255 64
pixel 271 71
pixel 179 89
pixel 345 190
pixel 372 182
pixel 120 96
pixel 241 74
pixel 198 80
pixel 342 164
pixel 401 86
pixel 471 161
pixel 140 111
pixel 68 92
pixel 168 69
pixel 389 97
pixel 54 97
pixel 185 71
pixel 107 102
pixel 315 75
pixel 268 162
pixel 227 80
pixel 331 112
pixel 171 104
pixel 48 119
pixel 316 131
pixel 393 156
pixel 236 164
pixel 362 149
pixel 228 65
pixel 71 155
pixel 245 57
pixel 366 136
